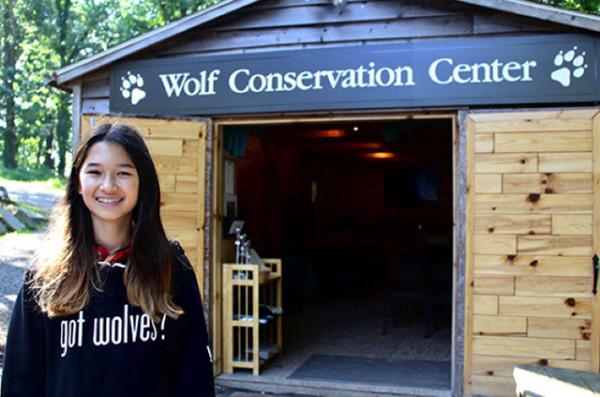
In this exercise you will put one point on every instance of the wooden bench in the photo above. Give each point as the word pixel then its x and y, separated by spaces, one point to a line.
pixel 538 381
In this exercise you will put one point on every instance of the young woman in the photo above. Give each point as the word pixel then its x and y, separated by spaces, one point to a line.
pixel 110 307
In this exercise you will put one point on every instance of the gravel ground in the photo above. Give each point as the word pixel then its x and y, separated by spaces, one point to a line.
pixel 17 249
pixel 36 194
pixel 16 252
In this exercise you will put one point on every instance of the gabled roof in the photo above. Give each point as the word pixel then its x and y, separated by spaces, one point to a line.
pixel 518 7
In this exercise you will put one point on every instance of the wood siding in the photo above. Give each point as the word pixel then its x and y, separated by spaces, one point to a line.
pixel 529 289
pixel 298 24
pixel 178 150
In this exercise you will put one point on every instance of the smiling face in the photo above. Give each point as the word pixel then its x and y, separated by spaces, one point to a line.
pixel 109 185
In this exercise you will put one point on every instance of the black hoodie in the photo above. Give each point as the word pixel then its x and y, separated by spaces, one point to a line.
pixel 110 348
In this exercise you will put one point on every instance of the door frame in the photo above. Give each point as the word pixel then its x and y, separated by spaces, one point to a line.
pixel 215 158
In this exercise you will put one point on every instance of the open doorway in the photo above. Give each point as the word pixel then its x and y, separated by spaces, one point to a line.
pixel 361 214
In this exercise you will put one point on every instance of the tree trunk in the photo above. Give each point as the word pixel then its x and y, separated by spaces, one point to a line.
pixel 9 155
pixel 62 122
pixel 62 132
pixel 48 155
pixel 40 152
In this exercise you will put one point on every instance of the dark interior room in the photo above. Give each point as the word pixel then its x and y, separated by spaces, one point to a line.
pixel 361 215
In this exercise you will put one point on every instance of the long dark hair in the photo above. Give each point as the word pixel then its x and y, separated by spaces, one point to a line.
pixel 64 279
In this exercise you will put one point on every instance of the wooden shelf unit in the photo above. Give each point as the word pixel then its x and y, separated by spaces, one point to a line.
pixel 245 289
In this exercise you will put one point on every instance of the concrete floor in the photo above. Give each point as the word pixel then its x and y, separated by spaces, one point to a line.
pixel 338 328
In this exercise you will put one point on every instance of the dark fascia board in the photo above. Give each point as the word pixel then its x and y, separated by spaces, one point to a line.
pixel 542 12
pixel 63 77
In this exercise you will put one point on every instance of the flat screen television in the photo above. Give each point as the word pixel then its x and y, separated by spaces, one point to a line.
pixel 410 187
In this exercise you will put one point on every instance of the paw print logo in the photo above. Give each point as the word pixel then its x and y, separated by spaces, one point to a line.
pixel 132 87
pixel 569 64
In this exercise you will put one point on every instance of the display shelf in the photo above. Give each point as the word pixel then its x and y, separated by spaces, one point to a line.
pixel 252 315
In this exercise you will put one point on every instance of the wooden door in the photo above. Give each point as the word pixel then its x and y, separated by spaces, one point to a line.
pixel 532 221
pixel 178 148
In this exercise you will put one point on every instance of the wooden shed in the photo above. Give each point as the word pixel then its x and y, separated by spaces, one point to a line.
pixel 439 157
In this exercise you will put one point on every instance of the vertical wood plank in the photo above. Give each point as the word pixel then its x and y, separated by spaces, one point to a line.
pixel 76 120
pixel 217 221
pixel 595 337
pixel 255 319
pixel 227 335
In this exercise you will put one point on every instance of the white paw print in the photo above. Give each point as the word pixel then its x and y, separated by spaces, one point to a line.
pixel 131 87
pixel 569 64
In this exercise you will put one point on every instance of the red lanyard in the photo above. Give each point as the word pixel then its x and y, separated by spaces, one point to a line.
pixel 105 258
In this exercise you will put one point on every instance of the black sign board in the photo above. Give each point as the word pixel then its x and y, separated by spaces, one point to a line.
pixel 467 71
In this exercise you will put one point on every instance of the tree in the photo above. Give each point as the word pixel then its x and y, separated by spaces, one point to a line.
pixel 74 29
pixel 11 37
pixel 589 6
pixel 69 30
pixel 40 36
pixel 170 10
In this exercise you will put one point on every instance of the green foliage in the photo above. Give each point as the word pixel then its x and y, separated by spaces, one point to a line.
pixel 589 6
pixel 48 35
pixel 43 212
pixel 37 174
pixel 31 208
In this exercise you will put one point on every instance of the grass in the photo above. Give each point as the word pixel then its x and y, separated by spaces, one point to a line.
pixel 28 229
pixel 25 230
pixel 40 175
pixel 37 210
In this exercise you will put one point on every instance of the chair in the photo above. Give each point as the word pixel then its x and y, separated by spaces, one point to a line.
pixel 418 278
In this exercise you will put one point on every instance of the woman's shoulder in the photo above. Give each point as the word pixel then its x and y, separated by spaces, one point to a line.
pixel 182 267
pixel 184 280
pixel 179 257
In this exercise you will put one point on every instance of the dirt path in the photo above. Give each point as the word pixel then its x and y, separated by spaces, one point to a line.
pixel 16 253
pixel 17 249
pixel 36 194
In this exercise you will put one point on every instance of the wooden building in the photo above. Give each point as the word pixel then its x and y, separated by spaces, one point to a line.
pixel 503 96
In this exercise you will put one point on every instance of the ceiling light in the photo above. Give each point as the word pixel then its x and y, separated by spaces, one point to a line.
pixel 329 134
pixel 380 155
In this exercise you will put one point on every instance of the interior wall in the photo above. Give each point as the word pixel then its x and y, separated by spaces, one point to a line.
pixel 258 190
pixel 350 219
